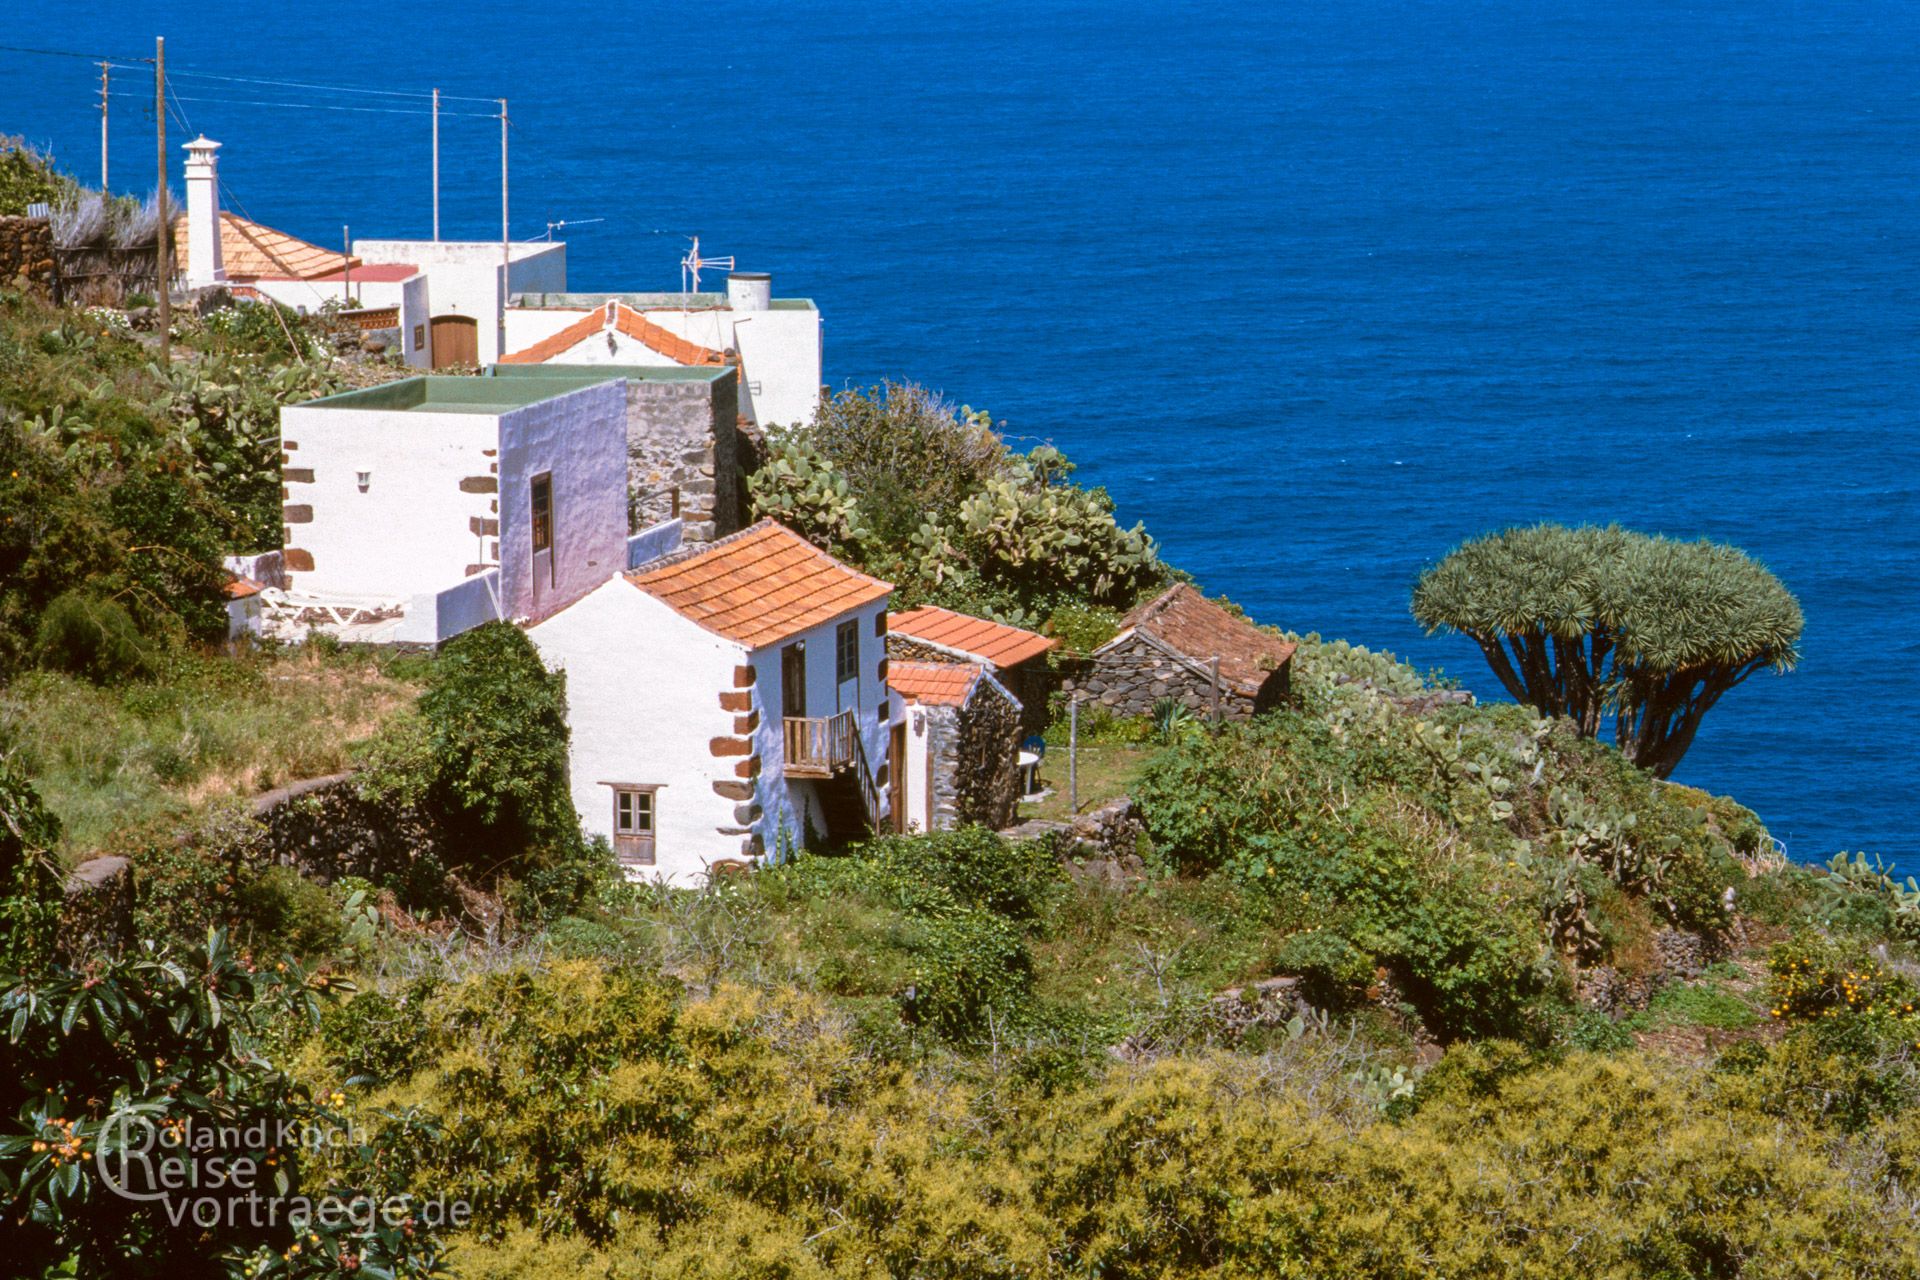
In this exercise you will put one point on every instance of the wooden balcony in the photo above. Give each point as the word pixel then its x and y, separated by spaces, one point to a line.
pixel 820 746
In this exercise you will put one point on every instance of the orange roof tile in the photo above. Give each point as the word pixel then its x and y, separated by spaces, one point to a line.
pixel 1202 629
pixel 562 342
pixel 934 684
pixel 759 586
pixel 239 588
pixel 994 643
pixel 628 321
pixel 249 251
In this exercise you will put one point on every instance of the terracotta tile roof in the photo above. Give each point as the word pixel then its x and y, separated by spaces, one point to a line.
pixel 560 343
pixel 994 643
pixel 239 588
pixel 249 251
pixel 618 315
pixel 1201 629
pixel 759 586
pixel 665 341
pixel 934 684
pixel 369 273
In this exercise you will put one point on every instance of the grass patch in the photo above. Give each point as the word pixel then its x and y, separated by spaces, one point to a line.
pixel 1710 1002
pixel 1106 771
pixel 105 759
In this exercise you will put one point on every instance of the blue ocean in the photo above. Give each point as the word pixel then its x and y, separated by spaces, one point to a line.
pixel 1315 290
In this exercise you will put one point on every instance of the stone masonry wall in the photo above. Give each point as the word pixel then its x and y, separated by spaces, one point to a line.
pixel 683 446
pixel 943 767
pixel 1134 675
pixel 987 772
pixel 26 250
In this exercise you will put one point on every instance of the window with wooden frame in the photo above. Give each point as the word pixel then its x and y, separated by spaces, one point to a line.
pixel 846 652
pixel 543 512
pixel 634 817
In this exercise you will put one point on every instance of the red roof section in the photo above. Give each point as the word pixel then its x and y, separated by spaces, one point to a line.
pixel 759 586
pixel 239 588
pixel 617 315
pixel 1202 629
pixel 934 684
pixel 371 273
pixel 994 643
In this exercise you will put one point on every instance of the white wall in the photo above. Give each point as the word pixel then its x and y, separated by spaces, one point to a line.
pixel 464 277
pixel 643 686
pixel 779 352
pixel 410 533
pixel 579 437
pixel 919 790
pixel 784 803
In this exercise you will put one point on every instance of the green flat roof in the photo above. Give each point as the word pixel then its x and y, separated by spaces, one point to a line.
pixel 429 393
pixel 648 301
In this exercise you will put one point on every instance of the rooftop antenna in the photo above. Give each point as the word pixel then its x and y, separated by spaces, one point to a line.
pixel 691 264
pixel 569 222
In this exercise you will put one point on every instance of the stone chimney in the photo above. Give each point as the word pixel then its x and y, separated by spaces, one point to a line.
pixel 204 266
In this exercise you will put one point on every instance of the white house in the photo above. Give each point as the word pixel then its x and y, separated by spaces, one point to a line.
pixel 775 341
pixel 467 283
pixel 456 499
pixel 727 704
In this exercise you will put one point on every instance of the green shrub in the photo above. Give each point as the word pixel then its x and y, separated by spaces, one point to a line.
pixel 279 911
pixel 31 877
pixel 1332 970
pixel 967 967
pixel 93 638
pixel 977 867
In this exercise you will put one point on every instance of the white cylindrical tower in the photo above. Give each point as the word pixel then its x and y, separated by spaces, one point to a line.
pixel 749 290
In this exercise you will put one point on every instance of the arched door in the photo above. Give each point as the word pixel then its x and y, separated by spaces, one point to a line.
pixel 456 340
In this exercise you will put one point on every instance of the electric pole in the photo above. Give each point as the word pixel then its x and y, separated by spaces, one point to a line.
pixel 103 124
pixel 164 231
pixel 436 164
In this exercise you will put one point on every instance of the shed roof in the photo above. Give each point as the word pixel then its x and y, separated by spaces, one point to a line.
pixel 250 251
pixel 759 586
pixel 935 684
pixel 617 315
pixel 994 643
pixel 1201 629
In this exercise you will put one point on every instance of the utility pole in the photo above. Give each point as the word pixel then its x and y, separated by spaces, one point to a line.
pixel 346 266
pixel 1213 669
pixel 160 255
pixel 103 124
pixel 436 164
pixel 506 243
pixel 1073 754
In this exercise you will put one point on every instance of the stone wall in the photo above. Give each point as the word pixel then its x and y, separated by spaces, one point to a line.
pixel 26 250
pixel 323 827
pixel 684 455
pixel 98 914
pixel 1106 832
pixel 1135 674
pixel 987 768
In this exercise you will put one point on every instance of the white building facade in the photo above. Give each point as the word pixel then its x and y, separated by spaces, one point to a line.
pixel 409 489
pixel 728 705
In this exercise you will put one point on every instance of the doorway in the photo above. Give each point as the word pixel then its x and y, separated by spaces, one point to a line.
pixel 456 340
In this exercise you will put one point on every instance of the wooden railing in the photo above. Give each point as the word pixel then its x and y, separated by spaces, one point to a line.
pixel 819 745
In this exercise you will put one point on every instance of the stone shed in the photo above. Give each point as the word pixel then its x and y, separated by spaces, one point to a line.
pixel 1169 647
pixel 961 742
pixel 1016 657
pixel 683 442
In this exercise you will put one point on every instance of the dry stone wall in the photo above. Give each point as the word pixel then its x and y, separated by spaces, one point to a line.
pixel 684 456
pixel 1133 676
pixel 26 253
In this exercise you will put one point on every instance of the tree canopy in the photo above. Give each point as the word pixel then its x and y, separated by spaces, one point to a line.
pixel 1590 621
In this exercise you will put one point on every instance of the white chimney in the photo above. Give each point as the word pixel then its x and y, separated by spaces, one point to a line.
pixel 749 290
pixel 204 265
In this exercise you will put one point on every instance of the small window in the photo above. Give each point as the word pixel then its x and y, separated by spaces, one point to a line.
pixel 419 336
pixel 846 652
pixel 633 825
pixel 543 512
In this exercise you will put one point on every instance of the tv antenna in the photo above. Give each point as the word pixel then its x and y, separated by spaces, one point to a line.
pixel 691 265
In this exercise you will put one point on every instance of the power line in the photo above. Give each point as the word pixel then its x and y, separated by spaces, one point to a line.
pixel 336 88
pixel 322 106
pixel 69 53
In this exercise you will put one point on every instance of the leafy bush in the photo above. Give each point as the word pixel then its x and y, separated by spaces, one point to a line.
pixel 969 966
pixel 279 911
pixel 95 639
pixel 31 878
pixel 978 868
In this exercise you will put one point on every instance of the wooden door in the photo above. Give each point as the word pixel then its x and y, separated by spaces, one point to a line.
pixel 793 680
pixel 897 776
pixel 540 501
pixel 456 340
